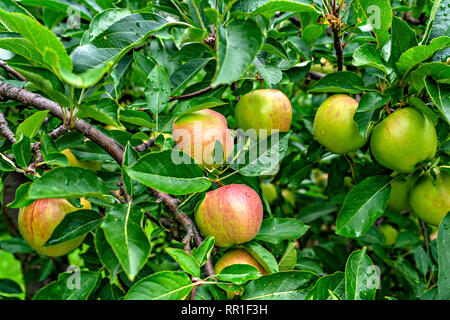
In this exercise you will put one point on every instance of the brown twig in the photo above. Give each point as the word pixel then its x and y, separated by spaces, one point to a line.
pixel 5 130
pixel 146 145
pixel 193 94
pixel 11 71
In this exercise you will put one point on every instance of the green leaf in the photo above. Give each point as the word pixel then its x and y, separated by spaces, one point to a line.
pixel 39 37
pixel 422 107
pixel 157 170
pixel 106 253
pixel 69 183
pixel 443 243
pixel 104 111
pixel 58 6
pixel 289 258
pixel 437 70
pixel 412 57
pixel 275 230
pixel 15 245
pixel 30 126
pixel 361 278
pixel 9 286
pixel 368 55
pixel 262 256
pixel 269 7
pixel 196 104
pixel 440 94
pixel 187 262
pixel 333 282
pixel 440 27
pixel 74 225
pixel 403 38
pixel 362 206
pixel 237 46
pixel 180 77
pixel 344 81
pixel 204 251
pixel 164 285
pixel 313 211
pixel 138 118
pixel 262 157
pixel 76 286
pixel 431 19
pixel 157 90
pixel 124 232
pixel 11 6
pixel 289 285
pixel 378 14
pixel 238 273
pixel 22 151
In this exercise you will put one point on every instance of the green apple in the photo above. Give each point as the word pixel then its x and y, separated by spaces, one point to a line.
pixel 431 201
pixel 264 109
pixel 38 221
pixel 404 139
pixel 196 134
pixel 390 234
pixel 269 191
pixel 334 126
pixel 232 214
pixel 399 200
pixel 237 256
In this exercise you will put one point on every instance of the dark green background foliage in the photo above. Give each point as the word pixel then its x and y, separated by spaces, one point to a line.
pixel 119 63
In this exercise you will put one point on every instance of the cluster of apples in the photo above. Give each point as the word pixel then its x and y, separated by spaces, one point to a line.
pixel 400 142
pixel 232 213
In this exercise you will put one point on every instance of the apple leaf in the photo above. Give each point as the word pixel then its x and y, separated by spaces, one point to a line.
pixel 361 278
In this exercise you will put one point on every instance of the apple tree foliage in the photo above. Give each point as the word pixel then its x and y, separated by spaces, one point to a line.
pixel 128 69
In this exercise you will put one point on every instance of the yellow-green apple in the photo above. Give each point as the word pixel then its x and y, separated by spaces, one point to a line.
pixel 264 109
pixel 88 164
pixel 269 191
pixel 196 134
pixel 390 234
pixel 232 214
pixel 334 126
pixel 237 256
pixel 38 221
pixel 398 200
pixel 403 139
pixel 430 200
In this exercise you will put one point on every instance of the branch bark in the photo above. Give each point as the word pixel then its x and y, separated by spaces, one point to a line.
pixel 112 147
pixel 5 130
pixel 11 71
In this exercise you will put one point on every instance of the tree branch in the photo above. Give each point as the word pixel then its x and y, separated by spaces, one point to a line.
pixel 193 94
pixel 112 147
pixel 5 130
pixel 11 71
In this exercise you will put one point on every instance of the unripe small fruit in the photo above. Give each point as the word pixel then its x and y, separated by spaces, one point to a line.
pixel 390 234
pixel 237 256
pixel 196 135
pixel 269 192
pixel 399 198
pixel 403 139
pixel 264 109
pixel 38 221
pixel 74 162
pixel 232 214
pixel 334 126
pixel 431 202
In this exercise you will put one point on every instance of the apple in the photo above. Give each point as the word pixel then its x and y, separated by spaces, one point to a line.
pixel 232 214
pixel 237 256
pixel 196 135
pixel 404 139
pixel 398 200
pixel 390 234
pixel 38 221
pixel 88 164
pixel 264 109
pixel 334 126
pixel 431 201
pixel 269 191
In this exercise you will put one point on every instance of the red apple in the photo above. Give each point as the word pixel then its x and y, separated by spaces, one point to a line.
pixel 196 134
pixel 38 221
pixel 232 214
